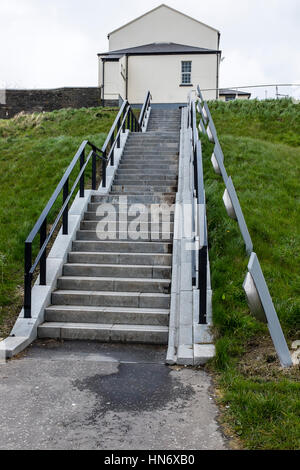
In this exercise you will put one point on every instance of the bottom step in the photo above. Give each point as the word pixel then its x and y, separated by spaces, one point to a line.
pixel 105 333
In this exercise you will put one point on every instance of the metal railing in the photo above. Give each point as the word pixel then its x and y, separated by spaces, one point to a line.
pixel 201 228
pixel 255 286
pixel 125 119
pixel 231 200
pixel 41 225
pixel 144 110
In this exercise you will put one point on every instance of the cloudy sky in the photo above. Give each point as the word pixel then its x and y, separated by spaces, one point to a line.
pixel 53 43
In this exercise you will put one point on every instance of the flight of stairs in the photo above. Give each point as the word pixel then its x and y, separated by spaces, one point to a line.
pixel 118 290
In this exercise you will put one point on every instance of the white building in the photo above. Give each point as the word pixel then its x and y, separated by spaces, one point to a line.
pixel 231 95
pixel 164 51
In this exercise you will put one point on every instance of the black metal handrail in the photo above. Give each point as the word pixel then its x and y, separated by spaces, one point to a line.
pixel 144 110
pixel 41 225
pixel 106 154
pixel 202 231
pixel 113 139
pixel 201 215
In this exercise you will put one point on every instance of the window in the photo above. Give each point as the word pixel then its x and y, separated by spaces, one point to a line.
pixel 186 73
pixel 230 98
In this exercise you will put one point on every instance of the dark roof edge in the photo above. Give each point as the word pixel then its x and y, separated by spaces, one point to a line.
pixel 162 53
pixel 227 91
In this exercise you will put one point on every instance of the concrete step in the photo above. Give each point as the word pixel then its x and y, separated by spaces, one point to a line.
pixel 107 315
pixel 149 173
pixel 148 167
pixel 163 149
pixel 148 135
pixel 148 139
pixel 131 192
pixel 159 145
pixel 95 225
pixel 155 158
pixel 118 258
pixel 127 180
pixel 113 199
pixel 117 270
pixel 135 200
pixel 153 136
pixel 114 284
pixel 139 175
pixel 161 125
pixel 164 118
pixel 132 236
pixel 120 215
pixel 153 128
pixel 151 150
pixel 152 177
pixel 105 333
pixel 111 299
pixel 139 181
pixel 122 246
pixel 142 189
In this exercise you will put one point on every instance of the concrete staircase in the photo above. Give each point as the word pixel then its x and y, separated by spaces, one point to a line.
pixel 118 290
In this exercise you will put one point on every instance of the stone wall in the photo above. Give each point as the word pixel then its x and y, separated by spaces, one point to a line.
pixel 49 100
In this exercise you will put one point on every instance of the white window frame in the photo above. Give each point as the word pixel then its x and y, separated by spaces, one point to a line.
pixel 185 74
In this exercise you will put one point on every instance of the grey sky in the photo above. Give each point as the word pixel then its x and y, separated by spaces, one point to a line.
pixel 53 43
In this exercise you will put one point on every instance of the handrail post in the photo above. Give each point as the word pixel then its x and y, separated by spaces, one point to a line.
pixel 131 121
pixel 112 160
pixel 119 135
pixel 104 171
pixel 203 285
pixel 94 171
pixel 27 280
pixel 43 261
pixel 124 120
pixel 82 159
pixel 128 119
pixel 66 211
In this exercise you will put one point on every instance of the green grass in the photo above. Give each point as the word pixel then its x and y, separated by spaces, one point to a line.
pixel 261 145
pixel 35 151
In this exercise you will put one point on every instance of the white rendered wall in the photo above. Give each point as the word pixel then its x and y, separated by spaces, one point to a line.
pixel 164 25
pixel 161 74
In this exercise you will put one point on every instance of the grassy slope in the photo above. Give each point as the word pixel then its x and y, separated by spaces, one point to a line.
pixel 261 144
pixel 35 150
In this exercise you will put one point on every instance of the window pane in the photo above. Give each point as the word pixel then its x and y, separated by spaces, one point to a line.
pixel 186 67
pixel 186 78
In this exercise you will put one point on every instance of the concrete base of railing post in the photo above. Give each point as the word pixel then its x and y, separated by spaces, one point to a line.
pixel 189 343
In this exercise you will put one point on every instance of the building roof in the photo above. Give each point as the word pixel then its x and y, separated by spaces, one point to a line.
pixel 157 8
pixel 226 91
pixel 159 48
